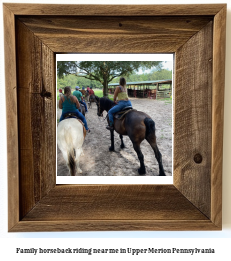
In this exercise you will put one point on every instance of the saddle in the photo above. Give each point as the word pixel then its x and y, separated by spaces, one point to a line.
pixel 71 115
pixel 120 115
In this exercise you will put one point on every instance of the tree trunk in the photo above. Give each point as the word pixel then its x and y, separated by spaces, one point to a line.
pixel 105 89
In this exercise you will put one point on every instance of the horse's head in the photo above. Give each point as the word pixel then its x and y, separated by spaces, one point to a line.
pixel 99 108
pixel 103 104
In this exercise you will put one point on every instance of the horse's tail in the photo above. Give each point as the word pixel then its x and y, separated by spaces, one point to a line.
pixel 150 126
pixel 71 150
pixel 71 160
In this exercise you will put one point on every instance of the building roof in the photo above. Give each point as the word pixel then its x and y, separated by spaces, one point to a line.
pixel 143 82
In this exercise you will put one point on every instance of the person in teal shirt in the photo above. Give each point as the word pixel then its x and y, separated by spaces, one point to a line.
pixel 69 103
pixel 79 97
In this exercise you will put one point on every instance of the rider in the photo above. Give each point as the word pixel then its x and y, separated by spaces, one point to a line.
pixel 79 96
pixel 60 92
pixel 122 102
pixel 91 92
pixel 69 103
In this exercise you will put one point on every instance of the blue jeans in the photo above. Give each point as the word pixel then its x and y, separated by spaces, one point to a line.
pixel 118 107
pixel 79 115
pixel 84 103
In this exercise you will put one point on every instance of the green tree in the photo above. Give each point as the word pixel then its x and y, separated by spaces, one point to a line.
pixel 103 71
pixel 161 75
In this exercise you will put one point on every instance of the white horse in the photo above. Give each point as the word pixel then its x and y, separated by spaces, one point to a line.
pixel 70 136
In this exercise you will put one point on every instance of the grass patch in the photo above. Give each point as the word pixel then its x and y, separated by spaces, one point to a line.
pixel 98 93
pixel 167 100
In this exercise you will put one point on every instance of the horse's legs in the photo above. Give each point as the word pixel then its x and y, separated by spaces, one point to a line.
pixel 140 155
pixel 122 142
pixel 112 148
pixel 83 110
pixel 152 141
pixel 159 159
pixel 78 153
pixel 78 168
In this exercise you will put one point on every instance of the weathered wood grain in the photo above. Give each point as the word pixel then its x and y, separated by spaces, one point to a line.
pixel 103 34
pixel 114 225
pixel 36 117
pixel 193 114
pixel 114 10
pixel 219 40
pixel 194 201
pixel 29 137
pixel 114 207
pixel 108 202
pixel 11 117
pixel 75 25
pixel 48 94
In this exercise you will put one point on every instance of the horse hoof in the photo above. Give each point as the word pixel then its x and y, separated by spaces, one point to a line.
pixel 162 174
pixel 79 171
pixel 111 149
pixel 141 171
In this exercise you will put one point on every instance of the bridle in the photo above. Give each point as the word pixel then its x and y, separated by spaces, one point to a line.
pixel 98 107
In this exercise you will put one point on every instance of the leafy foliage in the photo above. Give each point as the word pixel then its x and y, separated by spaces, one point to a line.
pixel 72 80
pixel 103 71
pixel 154 75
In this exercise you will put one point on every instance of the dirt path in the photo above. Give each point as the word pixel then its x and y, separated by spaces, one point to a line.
pixel 98 161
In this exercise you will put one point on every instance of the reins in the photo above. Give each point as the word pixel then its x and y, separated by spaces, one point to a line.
pixel 102 112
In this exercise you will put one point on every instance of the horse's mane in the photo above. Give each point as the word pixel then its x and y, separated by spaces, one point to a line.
pixel 106 103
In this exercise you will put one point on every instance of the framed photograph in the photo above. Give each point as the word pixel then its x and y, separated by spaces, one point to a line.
pixel 34 34
pixel 150 91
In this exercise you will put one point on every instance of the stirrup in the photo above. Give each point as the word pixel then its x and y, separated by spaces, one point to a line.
pixel 110 127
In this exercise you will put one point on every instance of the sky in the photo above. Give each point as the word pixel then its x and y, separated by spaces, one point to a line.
pixel 168 65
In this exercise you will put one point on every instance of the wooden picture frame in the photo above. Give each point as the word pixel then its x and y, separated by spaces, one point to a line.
pixel 33 34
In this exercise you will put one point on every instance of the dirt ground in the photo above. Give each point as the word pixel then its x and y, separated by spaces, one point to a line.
pixel 98 161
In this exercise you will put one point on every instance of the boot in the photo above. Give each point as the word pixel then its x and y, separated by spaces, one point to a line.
pixel 110 126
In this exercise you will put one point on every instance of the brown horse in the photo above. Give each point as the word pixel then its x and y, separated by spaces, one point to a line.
pixel 83 92
pixel 89 98
pixel 92 98
pixel 138 126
